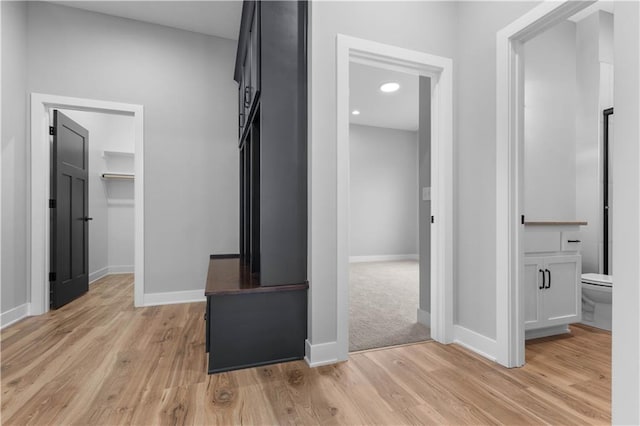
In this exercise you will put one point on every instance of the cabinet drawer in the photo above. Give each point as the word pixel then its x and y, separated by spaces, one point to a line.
pixel 571 241
pixel 541 242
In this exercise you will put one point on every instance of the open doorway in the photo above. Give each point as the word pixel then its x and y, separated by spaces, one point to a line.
pixel 389 259
pixel 438 71
pixel 40 180
pixel 555 78
pixel 92 218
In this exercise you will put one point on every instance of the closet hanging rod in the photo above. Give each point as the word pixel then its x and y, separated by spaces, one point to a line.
pixel 118 176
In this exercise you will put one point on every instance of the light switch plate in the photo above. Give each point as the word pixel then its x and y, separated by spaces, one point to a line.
pixel 426 193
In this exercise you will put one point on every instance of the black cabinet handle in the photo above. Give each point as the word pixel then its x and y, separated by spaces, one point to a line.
pixel 549 283
pixel 247 96
pixel 543 280
pixel 574 241
pixel 87 219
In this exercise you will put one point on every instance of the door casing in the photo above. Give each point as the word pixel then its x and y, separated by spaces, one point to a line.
pixel 38 239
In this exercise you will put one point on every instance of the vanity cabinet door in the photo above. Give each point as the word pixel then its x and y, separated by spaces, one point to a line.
pixel 562 295
pixel 533 282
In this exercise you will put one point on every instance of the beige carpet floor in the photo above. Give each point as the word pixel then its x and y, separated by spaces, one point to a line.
pixel 383 300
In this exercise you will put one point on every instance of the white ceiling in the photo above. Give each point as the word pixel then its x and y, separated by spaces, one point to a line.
pixel 216 18
pixel 398 110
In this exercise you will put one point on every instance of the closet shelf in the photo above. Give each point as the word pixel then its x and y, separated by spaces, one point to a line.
pixel 118 153
pixel 119 176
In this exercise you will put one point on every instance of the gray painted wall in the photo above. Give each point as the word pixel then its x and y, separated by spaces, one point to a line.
pixel 549 124
pixel 383 191
pixel 184 81
pixel 424 209
pixel 14 155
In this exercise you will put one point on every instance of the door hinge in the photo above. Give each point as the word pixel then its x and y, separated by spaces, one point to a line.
pixel 52 130
pixel 433 219
pixel 52 204
pixel 52 276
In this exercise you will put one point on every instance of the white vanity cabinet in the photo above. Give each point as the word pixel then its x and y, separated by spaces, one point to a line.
pixel 552 272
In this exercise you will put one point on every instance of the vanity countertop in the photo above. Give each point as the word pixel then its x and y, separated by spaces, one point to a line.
pixel 555 223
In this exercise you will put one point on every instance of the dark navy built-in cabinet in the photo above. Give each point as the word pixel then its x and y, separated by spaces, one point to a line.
pixel 257 299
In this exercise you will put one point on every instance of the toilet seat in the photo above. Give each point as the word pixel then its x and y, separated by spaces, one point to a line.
pixel 598 280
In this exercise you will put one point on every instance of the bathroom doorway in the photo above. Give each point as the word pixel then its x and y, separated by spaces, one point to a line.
pixel 568 81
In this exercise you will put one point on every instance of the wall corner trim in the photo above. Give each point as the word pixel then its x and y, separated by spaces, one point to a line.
pixel 476 342
pixel 423 317
pixel 173 297
pixel 14 315
pixel 321 354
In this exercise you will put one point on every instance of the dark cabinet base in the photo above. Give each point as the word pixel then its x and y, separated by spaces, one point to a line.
pixel 249 325
pixel 247 330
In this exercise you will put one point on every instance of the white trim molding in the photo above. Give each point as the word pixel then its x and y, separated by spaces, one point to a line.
pixel 440 71
pixel 482 345
pixel 509 171
pixel 96 275
pixel 39 166
pixel 382 258
pixel 174 297
pixel 320 354
pixel 14 315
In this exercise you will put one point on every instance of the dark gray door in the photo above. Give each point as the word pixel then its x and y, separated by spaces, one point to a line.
pixel 69 222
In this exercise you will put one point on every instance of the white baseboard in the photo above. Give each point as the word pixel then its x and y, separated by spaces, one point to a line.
pixel 424 317
pixel 14 315
pixel 476 342
pixel 95 276
pixel 110 270
pixel 546 332
pixel 173 297
pixel 382 258
pixel 321 354
pixel 121 269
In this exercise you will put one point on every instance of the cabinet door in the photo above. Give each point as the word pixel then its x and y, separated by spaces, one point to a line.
pixel 562 296
pixel 533 280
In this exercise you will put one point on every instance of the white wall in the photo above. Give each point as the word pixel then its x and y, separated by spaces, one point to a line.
pixel 423 26
pixel 475 230
pixel 383 191
pixel 549 124
pixel 14 156
pixel 111 232
pixel 184 81
pixel 595 92
pixel 626 217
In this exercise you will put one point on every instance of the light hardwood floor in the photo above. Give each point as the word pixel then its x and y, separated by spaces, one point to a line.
pixel 100 361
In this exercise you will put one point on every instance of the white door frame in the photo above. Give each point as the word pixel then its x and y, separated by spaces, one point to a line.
pixel 510 172
pixel 38 231
pixel 439 69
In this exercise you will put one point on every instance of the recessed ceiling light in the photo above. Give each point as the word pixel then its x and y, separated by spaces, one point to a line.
pixel 389 87
pixel 355 112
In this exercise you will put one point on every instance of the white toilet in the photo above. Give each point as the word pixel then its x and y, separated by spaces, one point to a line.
pixel 596 300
